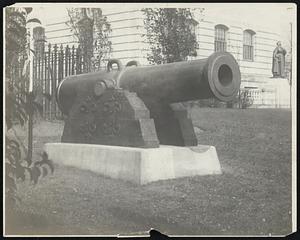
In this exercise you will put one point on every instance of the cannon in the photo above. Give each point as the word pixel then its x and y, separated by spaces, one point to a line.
pixel 137 106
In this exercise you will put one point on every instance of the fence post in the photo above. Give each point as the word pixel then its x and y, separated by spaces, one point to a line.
pixel 78 60
pixel 30 98
pixel 54 81
pixel 73 63
pixel 61 64
pixel 66 60
pixel 49 79
pixel 44 86
pixel 51 85
pixel 60 74
pixel 39 49
pixel 50 68
pixel 239 98
pixel 69 61
pixel 39 40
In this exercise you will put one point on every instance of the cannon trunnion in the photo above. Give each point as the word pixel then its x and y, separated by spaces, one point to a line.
pixel 136 106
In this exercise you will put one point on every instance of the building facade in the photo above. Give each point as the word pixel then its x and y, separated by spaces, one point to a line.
pixel 252 46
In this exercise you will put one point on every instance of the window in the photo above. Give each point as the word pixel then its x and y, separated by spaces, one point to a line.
pixel 248 45
pixel 220 38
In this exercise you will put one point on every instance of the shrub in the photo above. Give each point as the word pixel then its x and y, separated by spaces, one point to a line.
pixel 19 105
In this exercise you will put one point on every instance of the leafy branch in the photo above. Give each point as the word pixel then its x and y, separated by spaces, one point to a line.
pixel 19 104
pixel 170 33
pixel 92 31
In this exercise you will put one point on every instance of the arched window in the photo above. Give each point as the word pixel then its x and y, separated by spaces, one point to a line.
pixel 220 38
pixel 248 45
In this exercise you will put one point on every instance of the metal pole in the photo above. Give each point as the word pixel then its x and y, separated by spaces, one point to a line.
pixel 291 67
pixel 30 98
pixel 30 127
pixel 239 98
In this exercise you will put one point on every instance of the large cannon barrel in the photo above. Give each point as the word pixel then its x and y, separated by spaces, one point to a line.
pixel 216 76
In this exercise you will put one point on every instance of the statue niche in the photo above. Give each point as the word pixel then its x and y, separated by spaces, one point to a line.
pixel 278 67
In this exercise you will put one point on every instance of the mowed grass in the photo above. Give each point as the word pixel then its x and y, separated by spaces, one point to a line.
pixel 251 197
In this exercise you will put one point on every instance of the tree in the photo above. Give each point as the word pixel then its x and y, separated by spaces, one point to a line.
pixel 170 33
pixel 19 104
pixel 92 31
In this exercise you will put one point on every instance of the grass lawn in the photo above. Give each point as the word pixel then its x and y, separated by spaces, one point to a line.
pixel 251 197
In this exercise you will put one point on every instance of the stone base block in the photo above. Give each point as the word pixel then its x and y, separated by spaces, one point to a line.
pixel 137 165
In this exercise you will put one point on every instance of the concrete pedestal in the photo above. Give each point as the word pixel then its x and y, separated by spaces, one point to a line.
pixel 137 165
pixel 268 92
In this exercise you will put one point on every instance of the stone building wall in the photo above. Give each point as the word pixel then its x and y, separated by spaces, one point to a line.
pixel 129 43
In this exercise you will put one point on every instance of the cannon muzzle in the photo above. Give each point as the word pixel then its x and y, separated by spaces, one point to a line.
pixel 143 90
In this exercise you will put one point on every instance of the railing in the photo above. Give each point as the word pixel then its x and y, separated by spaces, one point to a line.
pixel 50 68
pixel 263 97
